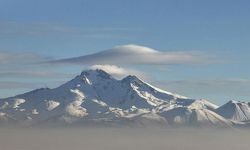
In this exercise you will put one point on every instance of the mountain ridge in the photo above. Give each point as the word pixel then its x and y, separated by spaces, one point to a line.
pixel 95 97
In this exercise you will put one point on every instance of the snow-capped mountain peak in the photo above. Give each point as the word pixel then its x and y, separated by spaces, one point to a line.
pixel 96 97
pixel 95 74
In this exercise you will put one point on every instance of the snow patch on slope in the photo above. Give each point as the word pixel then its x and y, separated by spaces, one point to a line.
pixel 50 104
pixel 18 102
pixel 74 108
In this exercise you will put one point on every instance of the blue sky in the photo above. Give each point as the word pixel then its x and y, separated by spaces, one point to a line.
pixel 54 29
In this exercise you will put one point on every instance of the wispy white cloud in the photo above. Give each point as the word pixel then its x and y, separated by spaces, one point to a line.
pixel 134 54
pixel 119 72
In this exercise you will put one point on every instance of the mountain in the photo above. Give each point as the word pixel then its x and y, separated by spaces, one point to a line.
pixel 235 110
pixel 96 98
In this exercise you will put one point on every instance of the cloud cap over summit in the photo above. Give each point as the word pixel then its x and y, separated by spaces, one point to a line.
pixel 135 54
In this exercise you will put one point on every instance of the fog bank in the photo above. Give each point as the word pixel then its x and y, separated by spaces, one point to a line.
pixel 122 139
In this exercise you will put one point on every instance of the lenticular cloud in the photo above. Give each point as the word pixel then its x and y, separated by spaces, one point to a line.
pixel 134 54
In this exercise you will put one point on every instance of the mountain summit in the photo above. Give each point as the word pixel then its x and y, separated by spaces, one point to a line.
pixel 95 97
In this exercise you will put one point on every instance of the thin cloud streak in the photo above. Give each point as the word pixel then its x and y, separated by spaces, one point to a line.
pixel 20 58
pixel 215 82
pixel 16 85
pixel 29 86
pixel 34 74
pixel 20 29
pixel 220 89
